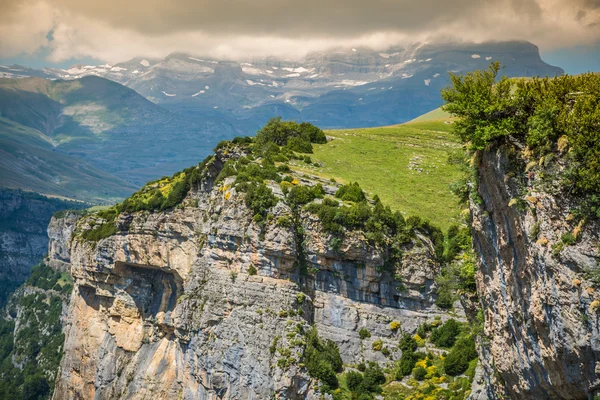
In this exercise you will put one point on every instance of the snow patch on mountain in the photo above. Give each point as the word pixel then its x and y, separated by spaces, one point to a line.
pixel 145 63
pixel 252 71
pixel 349 82
pixel 299 70
pixel 168 94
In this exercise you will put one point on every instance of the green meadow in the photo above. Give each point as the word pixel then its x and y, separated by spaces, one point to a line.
pixel 405 165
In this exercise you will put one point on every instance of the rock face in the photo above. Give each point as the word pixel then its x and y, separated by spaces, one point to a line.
pixel 24 218
pixel 201 302
pixel 540 304
pixel 60 230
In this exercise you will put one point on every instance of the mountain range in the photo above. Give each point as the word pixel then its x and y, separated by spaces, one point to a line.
pixel 355 87
pixel 118 126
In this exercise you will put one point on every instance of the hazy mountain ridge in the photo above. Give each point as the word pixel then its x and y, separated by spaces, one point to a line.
pixel 107 125
pixel 338 88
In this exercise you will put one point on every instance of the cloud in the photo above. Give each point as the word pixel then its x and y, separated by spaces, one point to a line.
pixel 114 30
pixel 24 29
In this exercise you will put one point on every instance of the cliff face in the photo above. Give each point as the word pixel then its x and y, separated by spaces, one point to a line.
pixel 24 218
pixel 202 302
pixel 535 282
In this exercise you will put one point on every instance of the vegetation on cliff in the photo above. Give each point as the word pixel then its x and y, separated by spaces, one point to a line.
pixel 30 351
pixel 405 165
pixel 556 118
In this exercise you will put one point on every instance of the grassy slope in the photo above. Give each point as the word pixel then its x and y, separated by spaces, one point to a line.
pixel 406 165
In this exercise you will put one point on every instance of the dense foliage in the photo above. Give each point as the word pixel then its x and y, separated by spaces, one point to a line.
pixel 46 278
pixel 351 192
pixel 29 356
pixel 445 335
pixel 364 385
pixel 437 375
pixel 457 361
pixel 322 360
pixel 297 137
pixel 553 116
pixel 166 192
pixel 458 272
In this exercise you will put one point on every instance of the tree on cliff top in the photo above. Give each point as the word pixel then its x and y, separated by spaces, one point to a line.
pixel 559 116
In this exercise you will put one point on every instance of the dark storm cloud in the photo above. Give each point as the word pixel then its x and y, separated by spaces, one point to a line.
pixel 114 29
pixel 290 18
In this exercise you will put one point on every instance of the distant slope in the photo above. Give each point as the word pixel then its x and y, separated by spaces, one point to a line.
pixel 109 125
pixel 28 161
pixel 437 115
pixel 406 165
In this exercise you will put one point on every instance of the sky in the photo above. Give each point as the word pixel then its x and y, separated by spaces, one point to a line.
pixel 64 32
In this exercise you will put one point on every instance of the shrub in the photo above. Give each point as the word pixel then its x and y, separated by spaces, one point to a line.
pixel 100 232
pixel 377 345
pixel 394 325
pixel 405 365
pixel 351 192
pixel 300 195
pixel 354 380
pixel 419 373
pixel 259 198
pixel 289 133
pixel 457 361
pixel 273 347
pixel 322 359
pixel 364 333
pixel 568 239
pixel 300 145
pixel 407 343
pixel 373 377
pixel 548 114
pixel 43 277
pixel 445 335
pixel 315 134
pixel 419 340
pixel 336 243
pixel 252 270
pixel 284 221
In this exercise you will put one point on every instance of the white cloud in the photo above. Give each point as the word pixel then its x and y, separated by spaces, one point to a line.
pixel 24 29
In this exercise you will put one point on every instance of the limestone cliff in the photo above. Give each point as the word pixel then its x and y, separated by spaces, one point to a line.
pixel 201 301
pixel 537 263
pixel 24 217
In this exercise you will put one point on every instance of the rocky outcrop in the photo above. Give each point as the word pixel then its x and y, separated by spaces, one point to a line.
pixel 203 302
pixel 535 281
pixel 24 218
pixel 60 230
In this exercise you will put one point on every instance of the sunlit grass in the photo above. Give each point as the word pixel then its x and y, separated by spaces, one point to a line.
pixel 406 165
